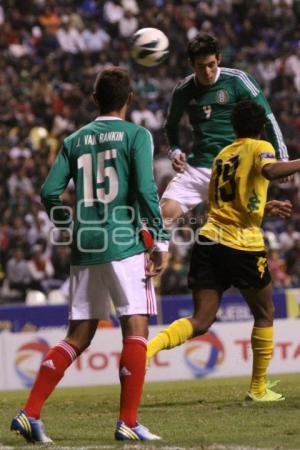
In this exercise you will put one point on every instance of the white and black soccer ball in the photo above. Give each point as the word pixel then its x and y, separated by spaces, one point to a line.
pixel 149 46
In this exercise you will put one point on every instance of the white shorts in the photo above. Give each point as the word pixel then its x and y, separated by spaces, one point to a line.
pixel 189 188
pixel 94 287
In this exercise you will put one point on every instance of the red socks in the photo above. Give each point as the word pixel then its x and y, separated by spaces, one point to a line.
pixel 59 358
pixel 132 375
pixel 52 369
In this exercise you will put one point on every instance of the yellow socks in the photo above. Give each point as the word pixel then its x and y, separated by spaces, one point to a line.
pixel 262 346
pixel 176 334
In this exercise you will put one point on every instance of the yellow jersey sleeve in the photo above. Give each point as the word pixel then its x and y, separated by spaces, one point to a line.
pixel 264 154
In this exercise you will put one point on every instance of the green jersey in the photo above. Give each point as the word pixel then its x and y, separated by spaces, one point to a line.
pixel 209 109
pixel 110 162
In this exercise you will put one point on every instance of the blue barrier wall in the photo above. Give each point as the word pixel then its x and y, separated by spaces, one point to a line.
pixel 233 308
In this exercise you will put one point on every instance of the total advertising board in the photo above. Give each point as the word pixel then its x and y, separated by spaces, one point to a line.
pixel 224 351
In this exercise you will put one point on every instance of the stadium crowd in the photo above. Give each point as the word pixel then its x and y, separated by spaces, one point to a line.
pixel 51 52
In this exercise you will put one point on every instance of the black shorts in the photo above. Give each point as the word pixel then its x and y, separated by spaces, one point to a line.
pixel 215 266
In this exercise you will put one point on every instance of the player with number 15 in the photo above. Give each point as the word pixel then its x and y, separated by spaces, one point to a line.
pixel 110 162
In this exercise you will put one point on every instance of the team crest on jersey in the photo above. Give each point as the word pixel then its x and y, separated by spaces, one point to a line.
pixel 254 202
pixel 222 96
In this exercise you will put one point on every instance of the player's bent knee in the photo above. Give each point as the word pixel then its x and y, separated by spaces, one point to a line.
pixel 171 210
pixel 201 330
pixel 167 210
pixel 81 344
pixel 201 325
pixel 85 344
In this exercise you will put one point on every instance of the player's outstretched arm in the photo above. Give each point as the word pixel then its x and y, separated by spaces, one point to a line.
pixel 281 169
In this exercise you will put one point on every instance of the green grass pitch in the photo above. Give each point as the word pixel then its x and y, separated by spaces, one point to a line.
pixel 198 414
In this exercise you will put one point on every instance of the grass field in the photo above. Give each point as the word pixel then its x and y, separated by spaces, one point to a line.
pixel 200 414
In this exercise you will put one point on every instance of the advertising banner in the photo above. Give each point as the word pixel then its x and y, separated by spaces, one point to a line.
pixel 222 352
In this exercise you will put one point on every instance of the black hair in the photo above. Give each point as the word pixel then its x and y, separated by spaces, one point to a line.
pixel 203 45
pixel 248 119
pixel 111 89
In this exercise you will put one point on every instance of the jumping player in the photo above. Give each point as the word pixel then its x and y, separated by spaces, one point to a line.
pixel 208 97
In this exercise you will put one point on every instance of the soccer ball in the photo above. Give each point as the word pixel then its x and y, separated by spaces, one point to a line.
pixel 150 46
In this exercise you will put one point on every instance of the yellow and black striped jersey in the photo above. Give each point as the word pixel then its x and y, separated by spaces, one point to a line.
pixel 238 193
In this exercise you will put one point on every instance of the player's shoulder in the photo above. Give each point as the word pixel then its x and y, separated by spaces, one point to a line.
pixel 262 143
pixel 225 150
pixel 185 83
pixel 134 130
pixel 245 147
pixel 130 126
pixel 142 140
pixel 238 76
pixel 142 134
pixel 257 148
pixel 233 72
pixel 264 147
pixel 76 134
